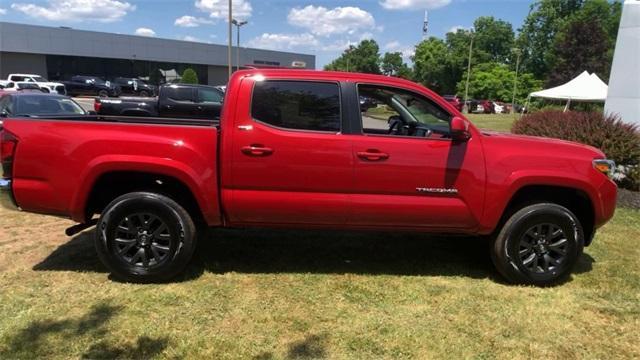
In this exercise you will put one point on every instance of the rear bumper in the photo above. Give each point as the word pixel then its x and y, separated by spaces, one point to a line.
pixel 7 200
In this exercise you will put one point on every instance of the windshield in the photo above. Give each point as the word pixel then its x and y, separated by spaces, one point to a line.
pixel 39 79
pixel 35 105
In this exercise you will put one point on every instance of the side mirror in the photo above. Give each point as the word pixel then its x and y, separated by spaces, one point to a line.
pixel 460 129
pixel 4 114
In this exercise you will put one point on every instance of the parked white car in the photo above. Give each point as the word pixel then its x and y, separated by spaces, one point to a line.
pixel 22 85
pixel 44 84
pixel 499 109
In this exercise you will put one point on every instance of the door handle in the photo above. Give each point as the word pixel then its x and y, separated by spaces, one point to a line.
pixel 256 150
pixel 372 155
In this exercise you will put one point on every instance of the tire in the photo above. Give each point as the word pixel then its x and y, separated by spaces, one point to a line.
pixel 143 93
pixel 145 237
pixel 103 93
pixel 538 245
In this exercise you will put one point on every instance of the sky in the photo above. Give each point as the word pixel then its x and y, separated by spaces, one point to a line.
pixel 319 27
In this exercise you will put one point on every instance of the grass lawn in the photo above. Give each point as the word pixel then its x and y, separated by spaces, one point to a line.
pixel 497 122
pixel 311 294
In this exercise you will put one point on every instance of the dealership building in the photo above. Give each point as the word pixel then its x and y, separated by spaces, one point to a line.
pixel 59 53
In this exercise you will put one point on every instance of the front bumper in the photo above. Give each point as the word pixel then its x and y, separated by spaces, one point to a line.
pixel 7 200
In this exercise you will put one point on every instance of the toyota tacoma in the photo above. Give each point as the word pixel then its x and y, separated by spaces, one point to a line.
pixel 294 149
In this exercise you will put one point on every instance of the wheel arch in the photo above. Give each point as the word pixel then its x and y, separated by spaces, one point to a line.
pixel 113 178
pixel 575 199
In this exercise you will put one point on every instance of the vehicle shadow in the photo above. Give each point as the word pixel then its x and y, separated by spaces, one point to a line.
pixel 314 251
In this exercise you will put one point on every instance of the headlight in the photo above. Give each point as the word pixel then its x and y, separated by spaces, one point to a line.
pixel 605 166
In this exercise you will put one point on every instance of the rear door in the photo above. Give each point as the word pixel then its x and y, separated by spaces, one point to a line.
pixel 178 102
pixel 288 161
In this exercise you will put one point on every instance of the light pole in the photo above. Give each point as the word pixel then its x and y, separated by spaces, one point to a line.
pixel 515 81
pixel 238 24
pixel 465 107
pixel 230 30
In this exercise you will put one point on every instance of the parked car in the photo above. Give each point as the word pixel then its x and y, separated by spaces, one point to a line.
pixel 499 108
pixel 133 86
pixel 91 86
pixel 44 84
pixel 367 103
pixel 291 150
pixel 455 101
pixel 37 104
pixel 22 86
pixel 176 100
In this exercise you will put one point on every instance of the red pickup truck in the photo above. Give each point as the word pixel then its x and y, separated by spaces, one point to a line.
pixel 294 148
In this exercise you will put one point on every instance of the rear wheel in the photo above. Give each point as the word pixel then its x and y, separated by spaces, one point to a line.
pixel 538 245
pixel 145 237
pixel 143 93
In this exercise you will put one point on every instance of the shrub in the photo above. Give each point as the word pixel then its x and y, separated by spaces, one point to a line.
pixel 619 141
pixel 189 76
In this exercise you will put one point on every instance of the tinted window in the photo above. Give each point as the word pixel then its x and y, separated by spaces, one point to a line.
pixel 209 95
pixel 179 93
pixel 297 105
pixel 47 105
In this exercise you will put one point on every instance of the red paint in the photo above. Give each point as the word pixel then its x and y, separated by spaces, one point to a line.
pixel 277 177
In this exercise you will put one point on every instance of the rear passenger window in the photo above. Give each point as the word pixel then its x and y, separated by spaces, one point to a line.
pixel 179 93
pixel 301 105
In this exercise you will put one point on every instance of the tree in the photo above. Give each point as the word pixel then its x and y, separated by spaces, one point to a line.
pixel 431 66
pixel 189 76
pixel 585 42
pixel 363 58
pixel 393 65
pixel 493 39
pixel 583 45
pixel 545 19
pixel 494 81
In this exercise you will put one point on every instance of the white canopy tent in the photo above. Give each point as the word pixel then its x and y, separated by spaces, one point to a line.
pixel 585 87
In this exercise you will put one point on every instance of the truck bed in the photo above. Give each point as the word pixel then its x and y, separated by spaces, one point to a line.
pixel 79 151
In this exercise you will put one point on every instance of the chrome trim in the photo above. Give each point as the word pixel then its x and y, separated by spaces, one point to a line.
pixel 6 195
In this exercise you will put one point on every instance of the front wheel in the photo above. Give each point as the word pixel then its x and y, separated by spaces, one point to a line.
pixel 538 245
pixel 103 93
pixel 145 237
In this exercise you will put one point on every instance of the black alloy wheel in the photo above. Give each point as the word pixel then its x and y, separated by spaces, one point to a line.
pixel 144 240
pixel 543 248
pixel 539 245
pixel 145 237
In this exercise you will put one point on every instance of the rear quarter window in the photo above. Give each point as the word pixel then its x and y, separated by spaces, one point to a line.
pixel 299 105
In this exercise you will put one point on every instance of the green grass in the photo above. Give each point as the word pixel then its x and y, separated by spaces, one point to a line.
pixel 311 294
pixel 496 122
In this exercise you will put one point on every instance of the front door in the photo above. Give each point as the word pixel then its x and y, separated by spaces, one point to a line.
pixel 289 162
pixel 408 171
pixel 209 103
